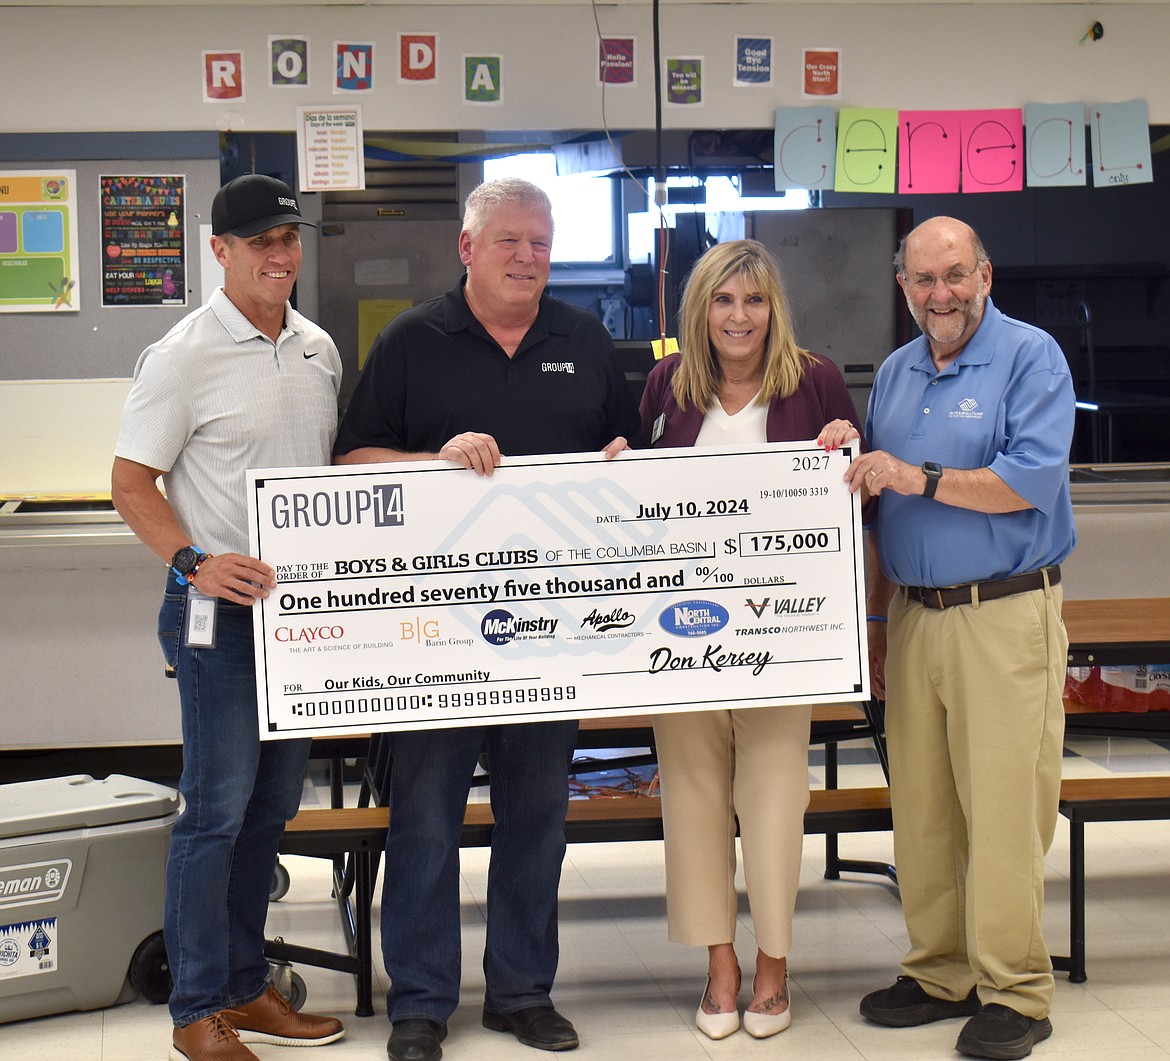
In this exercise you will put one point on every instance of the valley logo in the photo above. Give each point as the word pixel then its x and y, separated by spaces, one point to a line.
pixel 500 626
pixel 381 504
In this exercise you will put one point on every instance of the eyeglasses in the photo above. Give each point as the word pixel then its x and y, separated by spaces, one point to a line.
pixel 955 278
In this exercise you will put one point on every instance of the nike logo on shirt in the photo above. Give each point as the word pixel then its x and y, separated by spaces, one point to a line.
pixel 308 355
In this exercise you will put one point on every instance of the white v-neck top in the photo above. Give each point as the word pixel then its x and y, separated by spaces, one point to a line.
pixel 749 425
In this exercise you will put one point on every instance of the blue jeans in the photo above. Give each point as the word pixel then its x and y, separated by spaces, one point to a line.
pixel 237 793
pixel 430 776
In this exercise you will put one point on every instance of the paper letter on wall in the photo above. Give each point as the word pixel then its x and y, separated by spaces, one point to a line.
pixel 223 77
pixel 1055 144
pixel 993 150
pixel 1120 138
pixel 805 145
pixel 867 141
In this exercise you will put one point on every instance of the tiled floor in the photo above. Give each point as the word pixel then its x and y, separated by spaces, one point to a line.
pixel 632 994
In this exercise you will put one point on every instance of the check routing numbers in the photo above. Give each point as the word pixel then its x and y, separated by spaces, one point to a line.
pixel 562 587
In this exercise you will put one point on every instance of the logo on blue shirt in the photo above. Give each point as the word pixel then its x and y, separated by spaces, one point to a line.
pixel 968 410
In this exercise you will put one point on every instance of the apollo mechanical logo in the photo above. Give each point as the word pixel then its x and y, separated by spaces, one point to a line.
pixel 694 618
pixel 380 505
pixel 500 626
pixel 599 621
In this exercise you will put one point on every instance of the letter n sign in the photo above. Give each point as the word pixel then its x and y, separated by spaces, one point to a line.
pixel 355 67
pixel 223 77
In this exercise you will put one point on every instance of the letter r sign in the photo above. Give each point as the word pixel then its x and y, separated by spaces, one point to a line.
pixel 223 77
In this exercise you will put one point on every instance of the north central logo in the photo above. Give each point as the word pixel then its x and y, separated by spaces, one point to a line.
pixel 694 618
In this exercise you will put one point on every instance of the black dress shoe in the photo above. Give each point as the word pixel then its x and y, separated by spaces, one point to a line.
pixel 539 1026
pixel 416 1040
pixel 907 1004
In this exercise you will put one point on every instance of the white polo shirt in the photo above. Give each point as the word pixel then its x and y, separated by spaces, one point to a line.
pixel 215 397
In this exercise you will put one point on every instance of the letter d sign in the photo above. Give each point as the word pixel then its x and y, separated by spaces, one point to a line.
pixel 417 53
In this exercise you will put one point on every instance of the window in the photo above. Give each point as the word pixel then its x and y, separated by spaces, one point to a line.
pixel 583 206
pixel 720 201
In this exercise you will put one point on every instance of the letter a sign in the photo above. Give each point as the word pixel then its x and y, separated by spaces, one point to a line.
pixel 481 78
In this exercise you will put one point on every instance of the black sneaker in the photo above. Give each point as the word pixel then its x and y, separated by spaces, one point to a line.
pixel 906 1004
pixel 1000 1032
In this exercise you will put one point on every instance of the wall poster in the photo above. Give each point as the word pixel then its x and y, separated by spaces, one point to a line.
pixel 38 241
pixel 143 246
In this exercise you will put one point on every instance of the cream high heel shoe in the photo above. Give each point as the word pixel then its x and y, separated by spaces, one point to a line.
pixel 716 1025
pixel 765 1025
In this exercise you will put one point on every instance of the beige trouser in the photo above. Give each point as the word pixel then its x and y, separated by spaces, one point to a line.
pixel 716 766
pixel 975 727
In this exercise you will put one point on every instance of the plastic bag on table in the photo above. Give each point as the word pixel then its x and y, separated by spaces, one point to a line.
pixel 1137 689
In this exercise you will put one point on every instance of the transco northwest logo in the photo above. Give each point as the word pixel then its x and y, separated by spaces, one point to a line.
pixel 381 505
pixel 694 618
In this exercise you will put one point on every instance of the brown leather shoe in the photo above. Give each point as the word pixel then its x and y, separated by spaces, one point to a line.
pixel 210 1039
pixel 270 1019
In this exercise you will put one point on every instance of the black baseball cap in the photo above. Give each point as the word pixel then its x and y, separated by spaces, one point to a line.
pixel 252 204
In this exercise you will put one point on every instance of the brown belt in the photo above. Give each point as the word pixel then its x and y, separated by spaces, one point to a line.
pixel 1000 587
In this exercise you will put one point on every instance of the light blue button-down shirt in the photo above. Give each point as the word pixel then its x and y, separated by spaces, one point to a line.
pixel 1005 403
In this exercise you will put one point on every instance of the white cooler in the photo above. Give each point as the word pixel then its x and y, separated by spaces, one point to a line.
pixel 82 877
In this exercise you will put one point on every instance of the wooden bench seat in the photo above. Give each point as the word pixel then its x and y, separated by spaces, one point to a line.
pixel 327 830
pixel 1101 799
pixel 360 832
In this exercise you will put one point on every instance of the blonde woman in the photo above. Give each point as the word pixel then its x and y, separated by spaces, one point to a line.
pixel 740 378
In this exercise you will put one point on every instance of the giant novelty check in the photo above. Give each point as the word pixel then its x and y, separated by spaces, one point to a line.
pixel 421 595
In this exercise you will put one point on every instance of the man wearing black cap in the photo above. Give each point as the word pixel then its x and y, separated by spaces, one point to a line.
pixel 242 382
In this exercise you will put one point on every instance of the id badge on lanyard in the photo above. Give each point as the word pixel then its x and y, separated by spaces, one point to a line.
pixel 200 632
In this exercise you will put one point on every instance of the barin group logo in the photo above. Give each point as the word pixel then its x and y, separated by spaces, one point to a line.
pixel 694 618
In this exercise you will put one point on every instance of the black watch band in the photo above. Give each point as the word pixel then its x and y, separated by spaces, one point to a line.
pixel 933 473
pixel 186 562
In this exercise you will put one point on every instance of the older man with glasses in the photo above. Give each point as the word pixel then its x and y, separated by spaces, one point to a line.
pixel 970 426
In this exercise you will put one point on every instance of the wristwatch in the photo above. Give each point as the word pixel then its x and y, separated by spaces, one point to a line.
pixel 933 475
pixel 186 562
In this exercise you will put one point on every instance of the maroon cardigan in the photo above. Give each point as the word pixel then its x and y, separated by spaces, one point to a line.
pixel 822 396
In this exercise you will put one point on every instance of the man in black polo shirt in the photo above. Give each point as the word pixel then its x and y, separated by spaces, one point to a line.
pixel 495 366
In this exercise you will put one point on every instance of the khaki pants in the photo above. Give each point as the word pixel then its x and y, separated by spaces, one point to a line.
pixel 975 727
pixel 717 766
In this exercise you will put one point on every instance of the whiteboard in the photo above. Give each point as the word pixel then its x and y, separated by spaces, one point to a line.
pixel 57 436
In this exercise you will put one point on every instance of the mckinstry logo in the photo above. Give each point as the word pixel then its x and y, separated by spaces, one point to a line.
pixel 693 618
pixel 501 626
pixel 381 505
pixel 36 882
